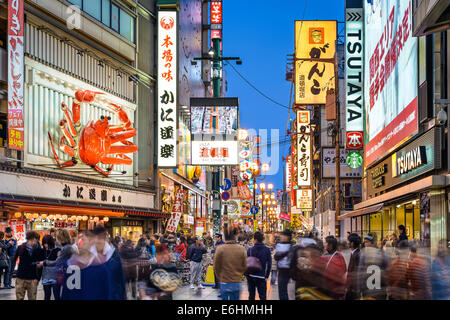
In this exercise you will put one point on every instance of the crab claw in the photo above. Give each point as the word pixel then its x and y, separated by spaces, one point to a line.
pixel 123 117
pixel 86 95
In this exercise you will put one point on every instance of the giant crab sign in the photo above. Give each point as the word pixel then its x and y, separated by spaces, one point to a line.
pixel 94 142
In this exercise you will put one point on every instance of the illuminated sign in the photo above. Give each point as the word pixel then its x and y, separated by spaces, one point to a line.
pixel 390 82
pixel 167 89
pixel 354 80
pixel 304 155
pixel 15 74
pixel 177 210
pixel 304 199
pixel 312 80
pixel 404 162
pixel 214 153
pixel 288 173
pixel 315 39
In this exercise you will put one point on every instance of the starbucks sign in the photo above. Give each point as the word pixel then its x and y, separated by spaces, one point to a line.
pixel 354 160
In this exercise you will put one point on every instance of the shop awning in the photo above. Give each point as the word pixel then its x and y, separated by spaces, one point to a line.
pixel 360 212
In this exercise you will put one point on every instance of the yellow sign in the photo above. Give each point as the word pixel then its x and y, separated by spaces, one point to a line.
pixel 315 39
pixel 312 80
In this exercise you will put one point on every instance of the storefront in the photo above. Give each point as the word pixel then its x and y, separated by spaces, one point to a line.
pixel 406 189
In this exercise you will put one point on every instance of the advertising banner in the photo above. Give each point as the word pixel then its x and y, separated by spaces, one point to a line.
pixel 288 173
pixel 167 89
pixel 284 216
pixel 177 210
pixel 312 80
pixel 15 74
pixel 315 39
pixel 304 199
pixel 329 164
pixel 210 153
pixel 390 82
pixel 19 230
pixel 304 155
pixel 354 70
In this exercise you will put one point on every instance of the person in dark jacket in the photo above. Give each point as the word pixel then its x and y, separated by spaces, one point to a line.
pixel 129 256
pixel 49 274
pixel 402 231
pixel 351 293
pixel 219 241
pixel 11 252
pixel 283 258
pixel 195 254
pixel 5 245
pixel 258 280
pixel 26 280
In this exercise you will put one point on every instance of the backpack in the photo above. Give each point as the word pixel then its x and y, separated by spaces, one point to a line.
pixel 253 264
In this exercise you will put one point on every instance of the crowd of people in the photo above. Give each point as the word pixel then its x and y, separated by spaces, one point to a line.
pixel 91 265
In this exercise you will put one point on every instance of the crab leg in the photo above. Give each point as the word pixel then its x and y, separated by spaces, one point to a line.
pixel 123 117
pixel 123 135
pixel 66 164
pixel 81 96
pixel 103 172
pixel 66 111
pixel 67 135
pixel 128 147
pixel 65 148
pixel 120 159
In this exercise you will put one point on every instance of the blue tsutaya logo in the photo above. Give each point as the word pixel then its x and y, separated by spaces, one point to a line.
pixel 404 162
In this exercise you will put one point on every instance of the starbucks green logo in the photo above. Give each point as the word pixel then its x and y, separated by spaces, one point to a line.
pixel 354 160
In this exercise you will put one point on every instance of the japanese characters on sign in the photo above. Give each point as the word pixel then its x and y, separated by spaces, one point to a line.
pixel 15 74
pixel 329 164
pixel 214 153
pixel 354 53
pixel 391 77
pixel 167 89
pixel 354 140
pixel 216 21
pixel 244 191
pixel 314 41
pixel 177 210
pixel 288 173
pixel 304 199
pixel 90 194
pixel 19 230
pixel 304 161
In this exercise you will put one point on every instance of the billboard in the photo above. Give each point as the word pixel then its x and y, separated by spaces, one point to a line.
pixel 390 99
pixel 167 89
pixel 209 153
pixel 329 164
pixel 15 74
pixel 214 118
pixel 304 199
pixel 314 40
pixel 354 79
pixel 304 149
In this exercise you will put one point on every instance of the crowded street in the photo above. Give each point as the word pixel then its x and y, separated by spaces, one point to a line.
pixel 243 156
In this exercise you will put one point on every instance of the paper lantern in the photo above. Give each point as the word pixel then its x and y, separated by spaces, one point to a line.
pixel 64 217
pixel 43 216
pixel 18 214
pixel 51 217
pixel 35 215
pixel 79 218
pixel 85 218
pixel 96 219
pixel 105 219
pixel 57 216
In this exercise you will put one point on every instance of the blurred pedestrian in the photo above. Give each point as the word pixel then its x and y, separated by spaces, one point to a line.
pixel 440 273
pixel 283 259
pixel 11 252
pixel 195 254
pixel 5 245
pixel 230 263
pixel 129 255
pixel 335 269
pixel 397 273
pixel 402 233
pixel 418 275
pixel 354 242
pixel 50 273
pixel 257 277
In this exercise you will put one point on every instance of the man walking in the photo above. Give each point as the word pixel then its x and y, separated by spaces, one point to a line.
pixel 230 263
pixel 354 241
pixel 26 282
pixel 195 254
pixel 219 241
pixel 9 237
pixel 403 236
pixel 258 279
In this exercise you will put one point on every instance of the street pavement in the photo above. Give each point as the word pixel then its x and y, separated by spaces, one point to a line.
pixel 184 293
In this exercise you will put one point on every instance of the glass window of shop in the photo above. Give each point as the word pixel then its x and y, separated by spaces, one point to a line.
pixel 193 203
pixel 375 225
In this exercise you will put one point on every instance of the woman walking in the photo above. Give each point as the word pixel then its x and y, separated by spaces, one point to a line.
pixel 49 274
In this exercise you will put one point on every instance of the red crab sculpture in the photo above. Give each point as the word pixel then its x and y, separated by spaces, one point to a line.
pixel 94 143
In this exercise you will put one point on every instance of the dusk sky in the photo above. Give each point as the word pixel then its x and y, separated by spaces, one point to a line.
pixel 262 35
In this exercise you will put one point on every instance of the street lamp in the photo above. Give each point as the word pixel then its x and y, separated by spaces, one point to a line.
pixel 242 135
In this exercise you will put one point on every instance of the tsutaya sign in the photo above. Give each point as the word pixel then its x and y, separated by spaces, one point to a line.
pixel 167 89
pixel 409 160
pixel 354 53
pixel 15 74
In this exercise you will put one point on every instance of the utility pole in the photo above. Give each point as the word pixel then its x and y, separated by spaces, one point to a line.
pixel 337 186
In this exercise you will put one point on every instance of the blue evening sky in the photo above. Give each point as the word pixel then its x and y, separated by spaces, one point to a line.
pixel 261 33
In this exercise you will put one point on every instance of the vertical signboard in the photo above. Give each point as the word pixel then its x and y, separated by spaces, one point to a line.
pixel 177 210
pixel 216 20
pixel 304 162
pixel 390 82
pixel 314 40
pixel 167 89
pixel 15 74
pixel 288 173
pixel 354 77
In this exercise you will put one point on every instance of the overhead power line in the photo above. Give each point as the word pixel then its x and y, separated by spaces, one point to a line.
pixel 255 88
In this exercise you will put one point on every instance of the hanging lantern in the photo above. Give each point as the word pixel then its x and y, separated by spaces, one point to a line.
pixel 85 218
pixel 96 219
pixel 18 214
pixel 51 217
pixel 64 217
pixel 35 215
pixel 43 216
pixel 79 218
pixel 57 216
pixel 105 219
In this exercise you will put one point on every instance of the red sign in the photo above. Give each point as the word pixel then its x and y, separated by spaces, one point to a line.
pixel 399 130
pixel 354 140
pixel 216 12
pixel 15 75
pixel 288 173
pixel 285 216
pixel 177 209
pixel 244 191
pixel 19 230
